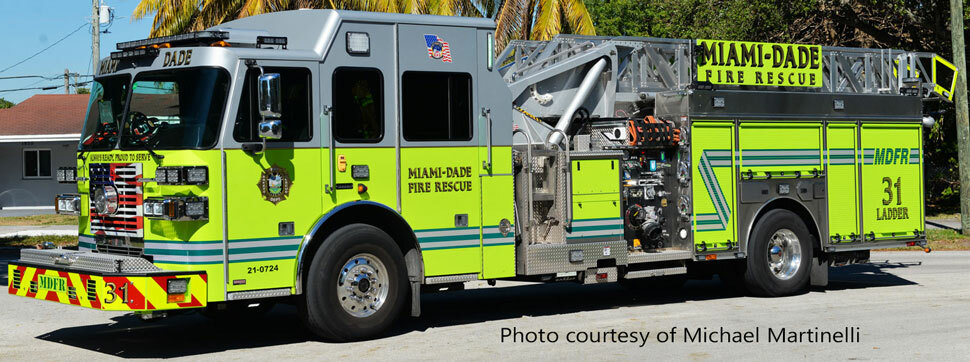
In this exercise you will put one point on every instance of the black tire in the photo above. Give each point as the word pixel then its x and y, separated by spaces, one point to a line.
pixel 320 305
pixel 662 284
pixel 759 277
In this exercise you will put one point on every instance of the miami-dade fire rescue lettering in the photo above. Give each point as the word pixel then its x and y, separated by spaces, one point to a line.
pixel 763 64
pixel 421 173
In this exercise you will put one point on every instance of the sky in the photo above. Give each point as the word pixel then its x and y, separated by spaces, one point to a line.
pixel 29 26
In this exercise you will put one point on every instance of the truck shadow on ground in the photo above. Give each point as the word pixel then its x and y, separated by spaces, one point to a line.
pixel 192 334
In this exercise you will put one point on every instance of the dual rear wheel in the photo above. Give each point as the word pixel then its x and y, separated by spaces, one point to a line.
pixel 780 255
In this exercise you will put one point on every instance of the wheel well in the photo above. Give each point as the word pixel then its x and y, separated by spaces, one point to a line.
pixel 796 207
pixel 370 213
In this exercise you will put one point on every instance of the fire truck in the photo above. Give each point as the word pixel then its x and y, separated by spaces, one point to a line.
pixel 347 161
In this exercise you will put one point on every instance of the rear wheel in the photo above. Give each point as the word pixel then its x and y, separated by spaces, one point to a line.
pixel 356 285
pixel 780 252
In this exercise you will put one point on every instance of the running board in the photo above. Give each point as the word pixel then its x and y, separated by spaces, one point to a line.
pixel 458 278
pixel 655 272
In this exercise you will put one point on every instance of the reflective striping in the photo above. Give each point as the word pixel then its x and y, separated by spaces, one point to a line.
pixel 287 254
pixel 446 232
pixel 183 246
pixel 590 228
pixel 188 259
pixel 780 162
pixel 710 227
pixel 592 222
pixel 86 243
pixel 779 153
pixel 722 210
pixel 841 152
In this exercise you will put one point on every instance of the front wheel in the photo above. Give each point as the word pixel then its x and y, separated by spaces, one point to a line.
pixel 780 254
pixel 356 285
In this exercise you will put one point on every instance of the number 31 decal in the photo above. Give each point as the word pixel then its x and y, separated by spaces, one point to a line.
pixel 889 191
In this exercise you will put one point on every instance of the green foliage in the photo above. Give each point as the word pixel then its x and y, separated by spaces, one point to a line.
pixel 82 90
pixel 5 103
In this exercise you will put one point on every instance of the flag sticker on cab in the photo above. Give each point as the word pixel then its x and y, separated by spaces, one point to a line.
pixel 437 48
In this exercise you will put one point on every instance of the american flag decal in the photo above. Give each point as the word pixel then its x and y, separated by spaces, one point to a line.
pixel 437 48
pixel 128 220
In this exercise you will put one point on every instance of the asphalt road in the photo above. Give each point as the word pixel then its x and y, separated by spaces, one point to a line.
pixel 906 306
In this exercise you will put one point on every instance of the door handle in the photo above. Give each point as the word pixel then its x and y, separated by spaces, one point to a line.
pixel 487 113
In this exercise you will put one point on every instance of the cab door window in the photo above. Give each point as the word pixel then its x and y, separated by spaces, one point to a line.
pixel 296 106
pixel 358 105
pixel 436 106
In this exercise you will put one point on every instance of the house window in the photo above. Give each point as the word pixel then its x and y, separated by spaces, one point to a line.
pixel 37 163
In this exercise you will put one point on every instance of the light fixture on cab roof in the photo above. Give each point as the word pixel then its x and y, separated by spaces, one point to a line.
pixel 358 43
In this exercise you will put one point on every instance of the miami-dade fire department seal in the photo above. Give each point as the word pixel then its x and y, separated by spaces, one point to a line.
pixel 275 184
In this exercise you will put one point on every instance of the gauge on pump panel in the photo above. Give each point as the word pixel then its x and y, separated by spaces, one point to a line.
pixel 683 172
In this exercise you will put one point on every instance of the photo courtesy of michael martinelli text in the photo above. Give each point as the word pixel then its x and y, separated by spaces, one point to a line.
pixel 684 335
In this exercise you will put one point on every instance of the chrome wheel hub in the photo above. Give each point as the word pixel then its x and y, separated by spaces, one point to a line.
pixel 784 254
pixel 362 285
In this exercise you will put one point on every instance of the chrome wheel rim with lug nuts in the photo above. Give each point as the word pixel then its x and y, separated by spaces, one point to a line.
pixel 784 254
pixel 363 285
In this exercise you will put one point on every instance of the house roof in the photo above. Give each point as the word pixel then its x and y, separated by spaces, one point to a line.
pixel 44 115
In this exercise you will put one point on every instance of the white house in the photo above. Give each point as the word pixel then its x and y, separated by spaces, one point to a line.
pixel 36 137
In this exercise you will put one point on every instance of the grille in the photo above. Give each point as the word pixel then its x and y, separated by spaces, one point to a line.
pixel 72 293
pixel 33 286
pixel 128 220
pixel 119 250
pixel 92 289
pixel 16 278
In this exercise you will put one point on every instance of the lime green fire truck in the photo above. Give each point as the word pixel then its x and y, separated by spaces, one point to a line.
pixel 346 161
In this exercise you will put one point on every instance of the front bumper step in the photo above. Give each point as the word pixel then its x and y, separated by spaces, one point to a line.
pixel 102 281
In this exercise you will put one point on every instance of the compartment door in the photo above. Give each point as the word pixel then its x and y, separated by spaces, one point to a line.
pixel 843 182
pixel 892 180
pixel 713 185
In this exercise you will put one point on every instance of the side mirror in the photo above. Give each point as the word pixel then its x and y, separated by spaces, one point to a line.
pixel 271 129
pixel 269 96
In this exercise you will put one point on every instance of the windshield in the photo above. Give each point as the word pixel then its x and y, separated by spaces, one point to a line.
pixel 106 105
pixel 175 109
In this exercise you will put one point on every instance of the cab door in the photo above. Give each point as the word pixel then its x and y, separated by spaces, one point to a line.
pixel 271 196
pixel 358 158
pixel 440 160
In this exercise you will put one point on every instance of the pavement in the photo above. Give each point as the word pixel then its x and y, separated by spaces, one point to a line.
pixel 904 306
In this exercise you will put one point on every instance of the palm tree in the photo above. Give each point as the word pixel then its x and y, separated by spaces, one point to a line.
pixel 517 19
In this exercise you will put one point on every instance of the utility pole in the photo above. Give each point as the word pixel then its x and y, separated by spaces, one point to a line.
pixel 95 36
pixel 67 81
pixel 963 123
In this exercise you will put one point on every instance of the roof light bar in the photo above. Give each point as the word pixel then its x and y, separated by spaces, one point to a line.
pixel 271 40
pixel 134 53
pixel 199 37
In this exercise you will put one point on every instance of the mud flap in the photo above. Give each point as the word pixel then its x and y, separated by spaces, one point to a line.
pixel 820 273
pixel 415 298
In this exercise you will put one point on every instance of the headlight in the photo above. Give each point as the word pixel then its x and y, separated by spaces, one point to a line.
pixel 182 175
pixel 198 175
pixel 67 175
pixel 67 204
pixel 177 208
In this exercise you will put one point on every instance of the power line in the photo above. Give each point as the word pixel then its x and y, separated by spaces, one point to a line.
pixel 59 76
pixel 45 49
pixel 52 87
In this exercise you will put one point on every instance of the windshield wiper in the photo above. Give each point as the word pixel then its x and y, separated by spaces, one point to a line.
pixel 144 145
